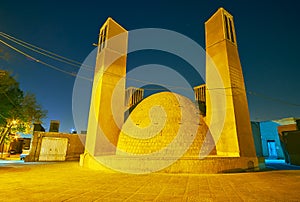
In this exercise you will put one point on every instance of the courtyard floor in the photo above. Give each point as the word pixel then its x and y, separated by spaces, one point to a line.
pixel 67 181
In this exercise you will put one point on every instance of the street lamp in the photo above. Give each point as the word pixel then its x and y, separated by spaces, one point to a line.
pixel 14 122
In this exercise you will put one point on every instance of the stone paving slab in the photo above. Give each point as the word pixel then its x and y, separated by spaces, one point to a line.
pixel 68 182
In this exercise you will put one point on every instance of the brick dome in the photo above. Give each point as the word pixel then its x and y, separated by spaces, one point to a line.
pixel 165 125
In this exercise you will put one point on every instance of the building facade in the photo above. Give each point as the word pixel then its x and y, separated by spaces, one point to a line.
pixel 271 146
pixel 108 92
pixel 227 82
pixel 53 146
pixel 200 98
pixel 133 96
pixel 289 135
pixel 149 131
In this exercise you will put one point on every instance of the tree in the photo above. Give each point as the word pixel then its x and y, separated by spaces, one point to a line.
pixel 18 112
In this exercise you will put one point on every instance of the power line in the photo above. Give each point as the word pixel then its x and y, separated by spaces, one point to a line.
pixel 18 41
pixel 50 56
pixel 41 62
pixel 51 66
pixel 10 100
pixel 78 64
pixel 45 52
pixel 145 82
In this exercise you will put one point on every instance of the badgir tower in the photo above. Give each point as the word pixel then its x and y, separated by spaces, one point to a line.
pixel 167 132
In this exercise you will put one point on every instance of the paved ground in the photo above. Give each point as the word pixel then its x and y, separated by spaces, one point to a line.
pixel 280 165
pixel 69 182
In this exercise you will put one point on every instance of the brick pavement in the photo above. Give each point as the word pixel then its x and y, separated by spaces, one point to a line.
pixel 68 182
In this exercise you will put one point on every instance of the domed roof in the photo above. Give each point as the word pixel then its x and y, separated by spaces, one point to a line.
pixel 164 125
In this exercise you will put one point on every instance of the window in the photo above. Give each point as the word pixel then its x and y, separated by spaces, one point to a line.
pixel 229 31
pixel 103 34
pixel 226 27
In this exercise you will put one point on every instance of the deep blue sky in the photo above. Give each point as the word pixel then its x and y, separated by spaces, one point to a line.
pixel 267 35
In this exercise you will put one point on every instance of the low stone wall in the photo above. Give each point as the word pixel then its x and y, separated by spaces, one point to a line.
pixel 74 149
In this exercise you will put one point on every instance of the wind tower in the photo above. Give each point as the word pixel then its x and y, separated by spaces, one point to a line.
pixel 108 93
pixel 236 138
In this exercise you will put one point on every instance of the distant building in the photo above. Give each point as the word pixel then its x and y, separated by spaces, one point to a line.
pixel 289 135
pixel 54 126
pixel 109 137
pixel 133 96
pixel 19 144
pixel 200 94
pixel 83 132
pixel 53 146
pixel 38 127
pixel 200 97
pixel 291 141
pixel 271 146
pixel 271 137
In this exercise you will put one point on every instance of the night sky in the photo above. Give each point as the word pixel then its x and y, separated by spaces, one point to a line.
pixel 267 36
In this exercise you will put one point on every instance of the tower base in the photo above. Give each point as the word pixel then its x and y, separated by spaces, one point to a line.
pixel 192 165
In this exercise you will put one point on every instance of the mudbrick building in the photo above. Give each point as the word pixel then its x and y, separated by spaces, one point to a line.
pixel 166 131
